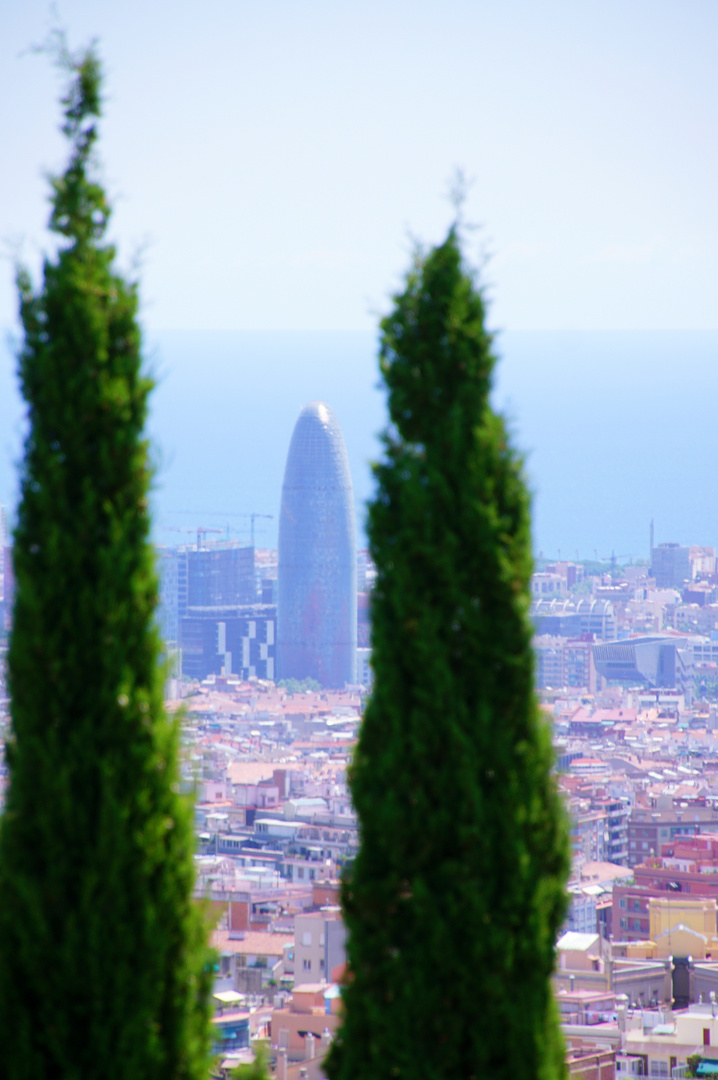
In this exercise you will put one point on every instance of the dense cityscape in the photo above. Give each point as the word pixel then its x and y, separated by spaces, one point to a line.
pixel 267 652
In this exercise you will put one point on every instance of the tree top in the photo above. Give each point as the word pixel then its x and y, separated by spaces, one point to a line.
pixel 80 209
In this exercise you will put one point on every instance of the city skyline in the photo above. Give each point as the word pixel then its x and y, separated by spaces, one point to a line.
pixel 383 852
pixel 617 430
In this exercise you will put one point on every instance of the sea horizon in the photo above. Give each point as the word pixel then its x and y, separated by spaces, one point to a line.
pixel 616 429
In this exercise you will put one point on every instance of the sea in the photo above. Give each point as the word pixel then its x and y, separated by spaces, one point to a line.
pixel 617 430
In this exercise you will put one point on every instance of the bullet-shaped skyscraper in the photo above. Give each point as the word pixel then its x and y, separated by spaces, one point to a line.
pixel 316 613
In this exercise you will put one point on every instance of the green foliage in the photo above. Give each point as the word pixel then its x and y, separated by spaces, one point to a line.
pixel 259 1068
pixel 592 568
pixel 457 892
pixel 300 686
pixel 104 966
pixel 706 687
pixel 693 1061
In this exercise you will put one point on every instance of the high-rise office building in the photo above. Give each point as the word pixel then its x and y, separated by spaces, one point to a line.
pixel 670 565
pixel 209 610
pixel 234 640
pixel 317 614
pixel 220 574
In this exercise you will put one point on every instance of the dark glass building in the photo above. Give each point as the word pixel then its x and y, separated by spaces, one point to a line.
pixel 232 640
pixel 317 612
pixel 220 574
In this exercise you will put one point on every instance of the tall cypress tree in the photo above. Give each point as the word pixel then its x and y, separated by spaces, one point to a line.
pixel 104 966
pixel 457 892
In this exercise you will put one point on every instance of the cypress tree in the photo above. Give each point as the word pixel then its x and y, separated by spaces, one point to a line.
pixel 457 892
pixel 104 966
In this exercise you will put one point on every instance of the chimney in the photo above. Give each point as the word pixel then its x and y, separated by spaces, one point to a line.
pixel 282 1064
pixel 621 1005
pixel 309 1047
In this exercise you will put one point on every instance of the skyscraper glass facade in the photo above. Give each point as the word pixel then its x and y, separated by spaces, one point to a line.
pixel 316 616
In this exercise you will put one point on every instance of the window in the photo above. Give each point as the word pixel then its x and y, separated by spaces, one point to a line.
pixel 307 937
pixel 622 902
pixel 659 1068
pixel 307 965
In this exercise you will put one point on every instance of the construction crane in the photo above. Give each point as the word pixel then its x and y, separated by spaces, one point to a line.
pixel 202 532
pixel 254 517
pixel 228 513
pixel 176 528
pixel 613 559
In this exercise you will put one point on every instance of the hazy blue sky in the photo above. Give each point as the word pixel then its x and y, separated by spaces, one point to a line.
pixel 274 156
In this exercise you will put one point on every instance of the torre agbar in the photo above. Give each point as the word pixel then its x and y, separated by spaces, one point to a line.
pixel 317 611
